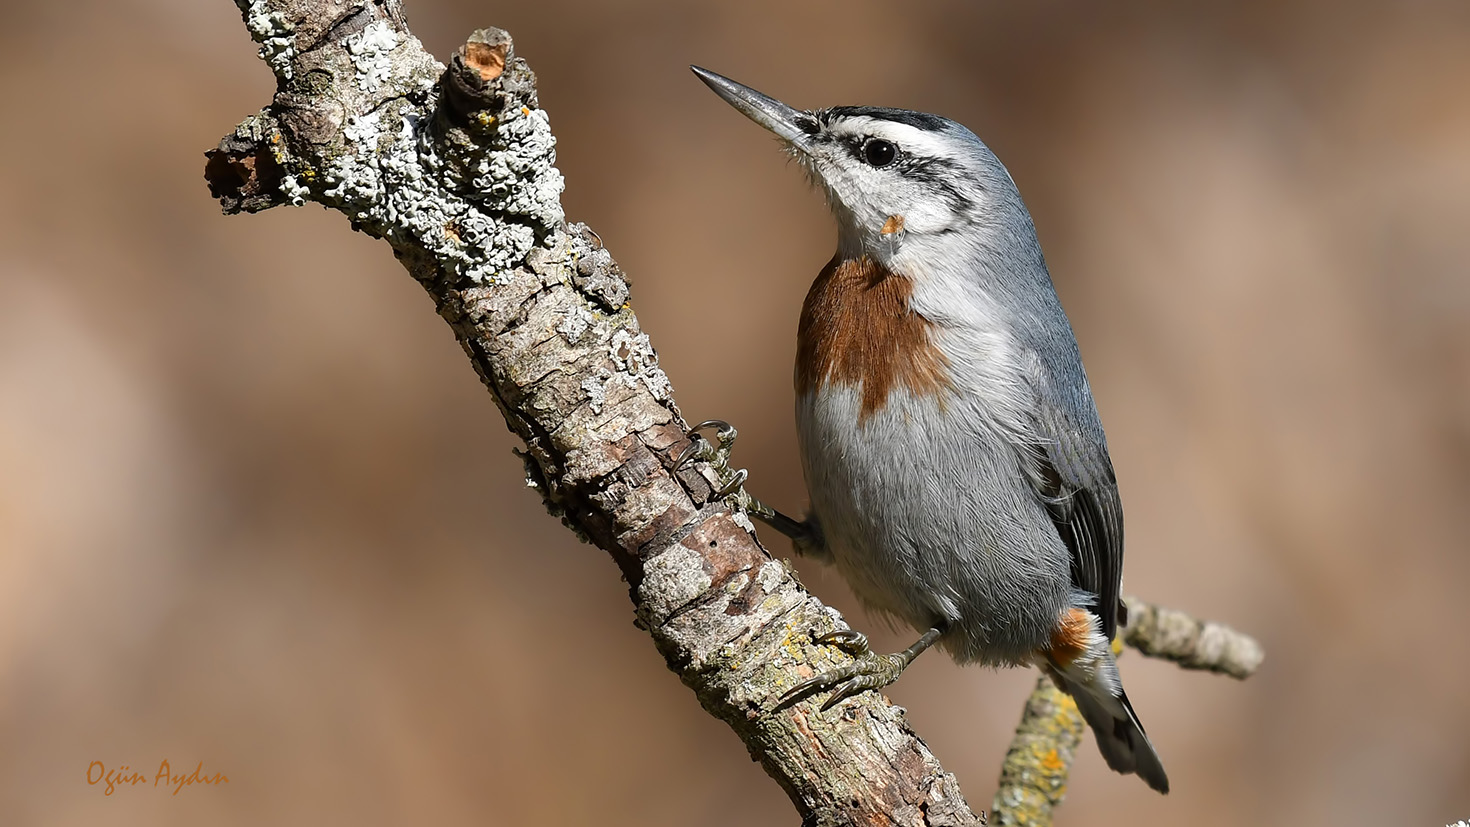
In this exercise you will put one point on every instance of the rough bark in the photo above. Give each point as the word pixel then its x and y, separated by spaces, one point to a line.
pixel 455 169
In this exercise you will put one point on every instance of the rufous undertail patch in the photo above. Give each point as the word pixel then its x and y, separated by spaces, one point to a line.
pixel 1071 637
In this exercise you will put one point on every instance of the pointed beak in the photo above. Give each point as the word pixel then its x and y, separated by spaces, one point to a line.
pixel 768 112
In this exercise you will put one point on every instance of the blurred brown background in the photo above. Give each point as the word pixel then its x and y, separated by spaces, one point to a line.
pixel 240 523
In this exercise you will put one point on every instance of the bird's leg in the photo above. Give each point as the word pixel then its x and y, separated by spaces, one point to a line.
pixel 803 533
pixel 869 671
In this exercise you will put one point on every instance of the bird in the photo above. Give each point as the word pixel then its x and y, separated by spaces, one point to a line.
pixel 957 469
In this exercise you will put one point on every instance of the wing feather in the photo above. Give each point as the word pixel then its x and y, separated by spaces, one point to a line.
pixel 1075 482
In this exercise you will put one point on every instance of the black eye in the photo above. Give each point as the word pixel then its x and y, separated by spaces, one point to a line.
pixel 879 153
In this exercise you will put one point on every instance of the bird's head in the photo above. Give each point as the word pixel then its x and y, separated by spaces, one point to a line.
pixel 892 177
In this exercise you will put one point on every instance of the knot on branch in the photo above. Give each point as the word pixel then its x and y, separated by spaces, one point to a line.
pixel 491 141
pixel 243 172
pixel 484 75
pixel 456 169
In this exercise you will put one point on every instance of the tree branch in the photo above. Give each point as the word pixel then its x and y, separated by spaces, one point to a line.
pixel 455 169
pixel 1033 778
pixel 457 175
pixel 1193 644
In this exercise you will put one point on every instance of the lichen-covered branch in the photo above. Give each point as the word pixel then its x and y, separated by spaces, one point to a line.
pixel 1193 644
pixel 455 169
pixel 1033 779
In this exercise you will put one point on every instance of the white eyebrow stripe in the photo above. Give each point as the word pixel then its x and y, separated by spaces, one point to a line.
pixel 910 139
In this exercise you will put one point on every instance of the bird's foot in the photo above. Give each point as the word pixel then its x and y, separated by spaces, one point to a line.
pixel 730 486
pixel 729 482
pixel 868 670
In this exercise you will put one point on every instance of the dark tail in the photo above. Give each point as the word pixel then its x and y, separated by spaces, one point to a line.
pixel 1121 740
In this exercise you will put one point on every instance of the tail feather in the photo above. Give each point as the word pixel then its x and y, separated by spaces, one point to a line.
pixel 1121 741
pixel 1089 673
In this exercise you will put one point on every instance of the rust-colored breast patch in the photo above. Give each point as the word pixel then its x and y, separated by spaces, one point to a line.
pixel 857 330
pixel 1071 636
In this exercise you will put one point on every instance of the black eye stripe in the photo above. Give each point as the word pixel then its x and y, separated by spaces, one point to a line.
pixel 938 175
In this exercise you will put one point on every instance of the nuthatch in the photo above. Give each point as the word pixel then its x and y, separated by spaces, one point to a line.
pixel 958 472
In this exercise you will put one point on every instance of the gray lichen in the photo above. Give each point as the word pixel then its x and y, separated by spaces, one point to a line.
pixel 295 193
pixel 389 179
pixel 575 322
pixel 599 276
pixel 274 34
pixel 633 352
pixel 475 207
pixel 371 51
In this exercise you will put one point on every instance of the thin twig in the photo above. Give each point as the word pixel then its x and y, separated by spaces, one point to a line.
pixel 1193 644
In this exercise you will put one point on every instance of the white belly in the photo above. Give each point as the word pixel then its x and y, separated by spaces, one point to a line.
pixel 926 513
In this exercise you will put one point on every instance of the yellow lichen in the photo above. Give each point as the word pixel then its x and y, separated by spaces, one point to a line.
pixel 1052 762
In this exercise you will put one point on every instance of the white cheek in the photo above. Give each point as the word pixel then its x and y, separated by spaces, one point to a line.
pixel 862 196
pixel 927 217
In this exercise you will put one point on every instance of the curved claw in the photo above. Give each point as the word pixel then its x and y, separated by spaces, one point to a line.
pixel 845 678
pixel 817 683
pixel 858 683
pixel 867 671
pixel 733 485
pixel 721 427
pixel 724 432
pixel 692 452
pixel 850 641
